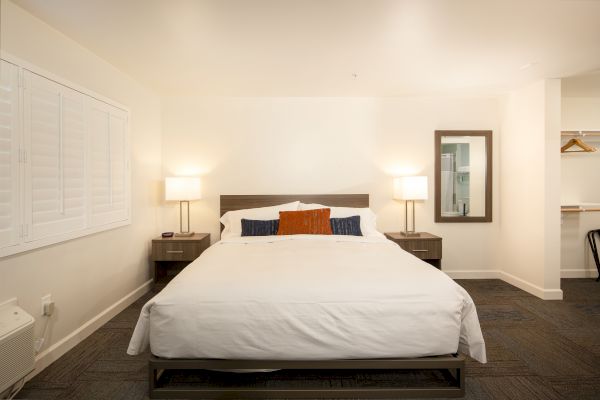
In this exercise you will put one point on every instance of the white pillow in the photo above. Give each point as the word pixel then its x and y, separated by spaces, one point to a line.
pixel 232 220
pixel 368 219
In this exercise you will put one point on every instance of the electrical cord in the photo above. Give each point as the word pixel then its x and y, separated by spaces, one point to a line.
pixel 16 389
pixel 39 343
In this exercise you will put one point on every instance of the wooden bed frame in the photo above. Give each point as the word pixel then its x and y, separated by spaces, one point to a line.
pixel 452 365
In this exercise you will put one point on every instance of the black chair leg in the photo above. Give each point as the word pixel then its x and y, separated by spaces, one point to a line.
pixel 594 248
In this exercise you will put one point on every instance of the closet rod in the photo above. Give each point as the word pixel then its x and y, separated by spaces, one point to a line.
pixel 580 133
pixel 578 209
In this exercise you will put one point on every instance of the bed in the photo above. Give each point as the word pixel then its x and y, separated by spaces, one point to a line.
pixel 308 302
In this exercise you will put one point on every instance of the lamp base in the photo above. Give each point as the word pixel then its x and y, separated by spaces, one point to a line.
pixel 411 234
pixel 184 234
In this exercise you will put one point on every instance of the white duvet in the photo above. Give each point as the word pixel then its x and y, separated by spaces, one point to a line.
pixel 309 298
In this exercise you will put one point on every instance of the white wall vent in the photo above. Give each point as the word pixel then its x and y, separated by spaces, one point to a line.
pixel 16 345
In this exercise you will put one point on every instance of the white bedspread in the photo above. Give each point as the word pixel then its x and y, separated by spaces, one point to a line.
pixel 309 297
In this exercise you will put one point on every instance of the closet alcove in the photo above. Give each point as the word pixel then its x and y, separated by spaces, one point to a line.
pixel 580 174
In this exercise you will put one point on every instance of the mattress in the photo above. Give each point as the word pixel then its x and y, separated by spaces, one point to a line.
pixel 308 297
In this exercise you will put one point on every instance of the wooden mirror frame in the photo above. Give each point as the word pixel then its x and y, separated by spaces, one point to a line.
pixel 488 176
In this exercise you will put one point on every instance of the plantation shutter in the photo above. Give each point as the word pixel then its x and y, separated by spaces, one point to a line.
pixel 10 153
pixel 108 164
pixel 64 160
pixel 55 135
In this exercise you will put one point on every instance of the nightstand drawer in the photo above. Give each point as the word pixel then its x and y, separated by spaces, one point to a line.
pixel 426 246
pixel 177 251
pixel 171 255
pixel 424 249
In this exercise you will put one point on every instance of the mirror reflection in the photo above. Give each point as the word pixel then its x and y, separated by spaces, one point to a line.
pixel 463 167
pixel 463 176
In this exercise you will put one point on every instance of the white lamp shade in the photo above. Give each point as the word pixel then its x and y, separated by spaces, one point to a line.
pixel 410 188
pixel 182 188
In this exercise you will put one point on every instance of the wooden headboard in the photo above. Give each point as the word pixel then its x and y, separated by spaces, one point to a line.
pixel 239 202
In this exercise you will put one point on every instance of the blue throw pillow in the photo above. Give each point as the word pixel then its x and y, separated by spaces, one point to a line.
pixel 349 226
pixel 252 227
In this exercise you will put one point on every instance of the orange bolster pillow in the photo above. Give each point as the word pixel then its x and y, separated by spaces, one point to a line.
pixel 309 222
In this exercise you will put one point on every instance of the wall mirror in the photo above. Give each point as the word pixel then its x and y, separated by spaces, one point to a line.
pixel 463 176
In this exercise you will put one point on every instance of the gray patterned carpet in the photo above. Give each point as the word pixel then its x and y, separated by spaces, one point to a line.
pixel 536 350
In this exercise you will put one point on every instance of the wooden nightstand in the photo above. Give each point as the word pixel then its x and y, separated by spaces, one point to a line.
pixel 171 255
pixel 427 247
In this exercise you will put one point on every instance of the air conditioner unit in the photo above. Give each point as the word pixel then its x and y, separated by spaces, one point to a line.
pixel 16 345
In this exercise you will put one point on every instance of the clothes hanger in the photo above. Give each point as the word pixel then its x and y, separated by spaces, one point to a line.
pixel 585 148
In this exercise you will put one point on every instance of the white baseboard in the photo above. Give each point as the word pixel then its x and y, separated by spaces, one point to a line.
pixel 578 273
pixel 544 294
pixel 59 348
pixel 473 274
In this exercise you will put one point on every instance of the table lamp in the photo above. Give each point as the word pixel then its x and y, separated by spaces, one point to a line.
pixel 184 190
pixel 409 189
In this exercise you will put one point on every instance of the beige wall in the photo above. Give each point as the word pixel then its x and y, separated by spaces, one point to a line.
pixel 286 145
pixel 85 276
pixel 580 178
pixel 323 145
pixel 529 238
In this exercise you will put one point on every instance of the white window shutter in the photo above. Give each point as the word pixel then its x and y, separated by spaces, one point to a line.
pixel 119 161
pixel 55 136
pixel 10 155
pixel 74 148
pixel 108 164
pixel 64 160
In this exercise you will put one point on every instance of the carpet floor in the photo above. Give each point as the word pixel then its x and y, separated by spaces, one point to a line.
pixel 536 350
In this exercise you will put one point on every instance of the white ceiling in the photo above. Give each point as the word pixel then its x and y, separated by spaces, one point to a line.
pixel 587 85
pixel 313 47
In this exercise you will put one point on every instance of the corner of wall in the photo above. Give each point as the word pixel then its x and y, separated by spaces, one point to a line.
pixel 528 254
pixel 552 234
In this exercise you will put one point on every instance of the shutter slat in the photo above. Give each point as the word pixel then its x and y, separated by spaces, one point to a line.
pixel 9 162
pixel 57 136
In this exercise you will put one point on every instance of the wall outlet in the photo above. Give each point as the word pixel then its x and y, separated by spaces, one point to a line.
pixel 49 309
pixel 46 300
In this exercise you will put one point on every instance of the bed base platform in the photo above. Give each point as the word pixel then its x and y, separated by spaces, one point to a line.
pixel 451 367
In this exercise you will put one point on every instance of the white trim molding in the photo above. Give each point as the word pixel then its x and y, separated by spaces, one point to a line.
pixel 58 79
pixel 60 238
pixel 473 274
pixel 59 348
pixel 544 294
pixel 578 273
